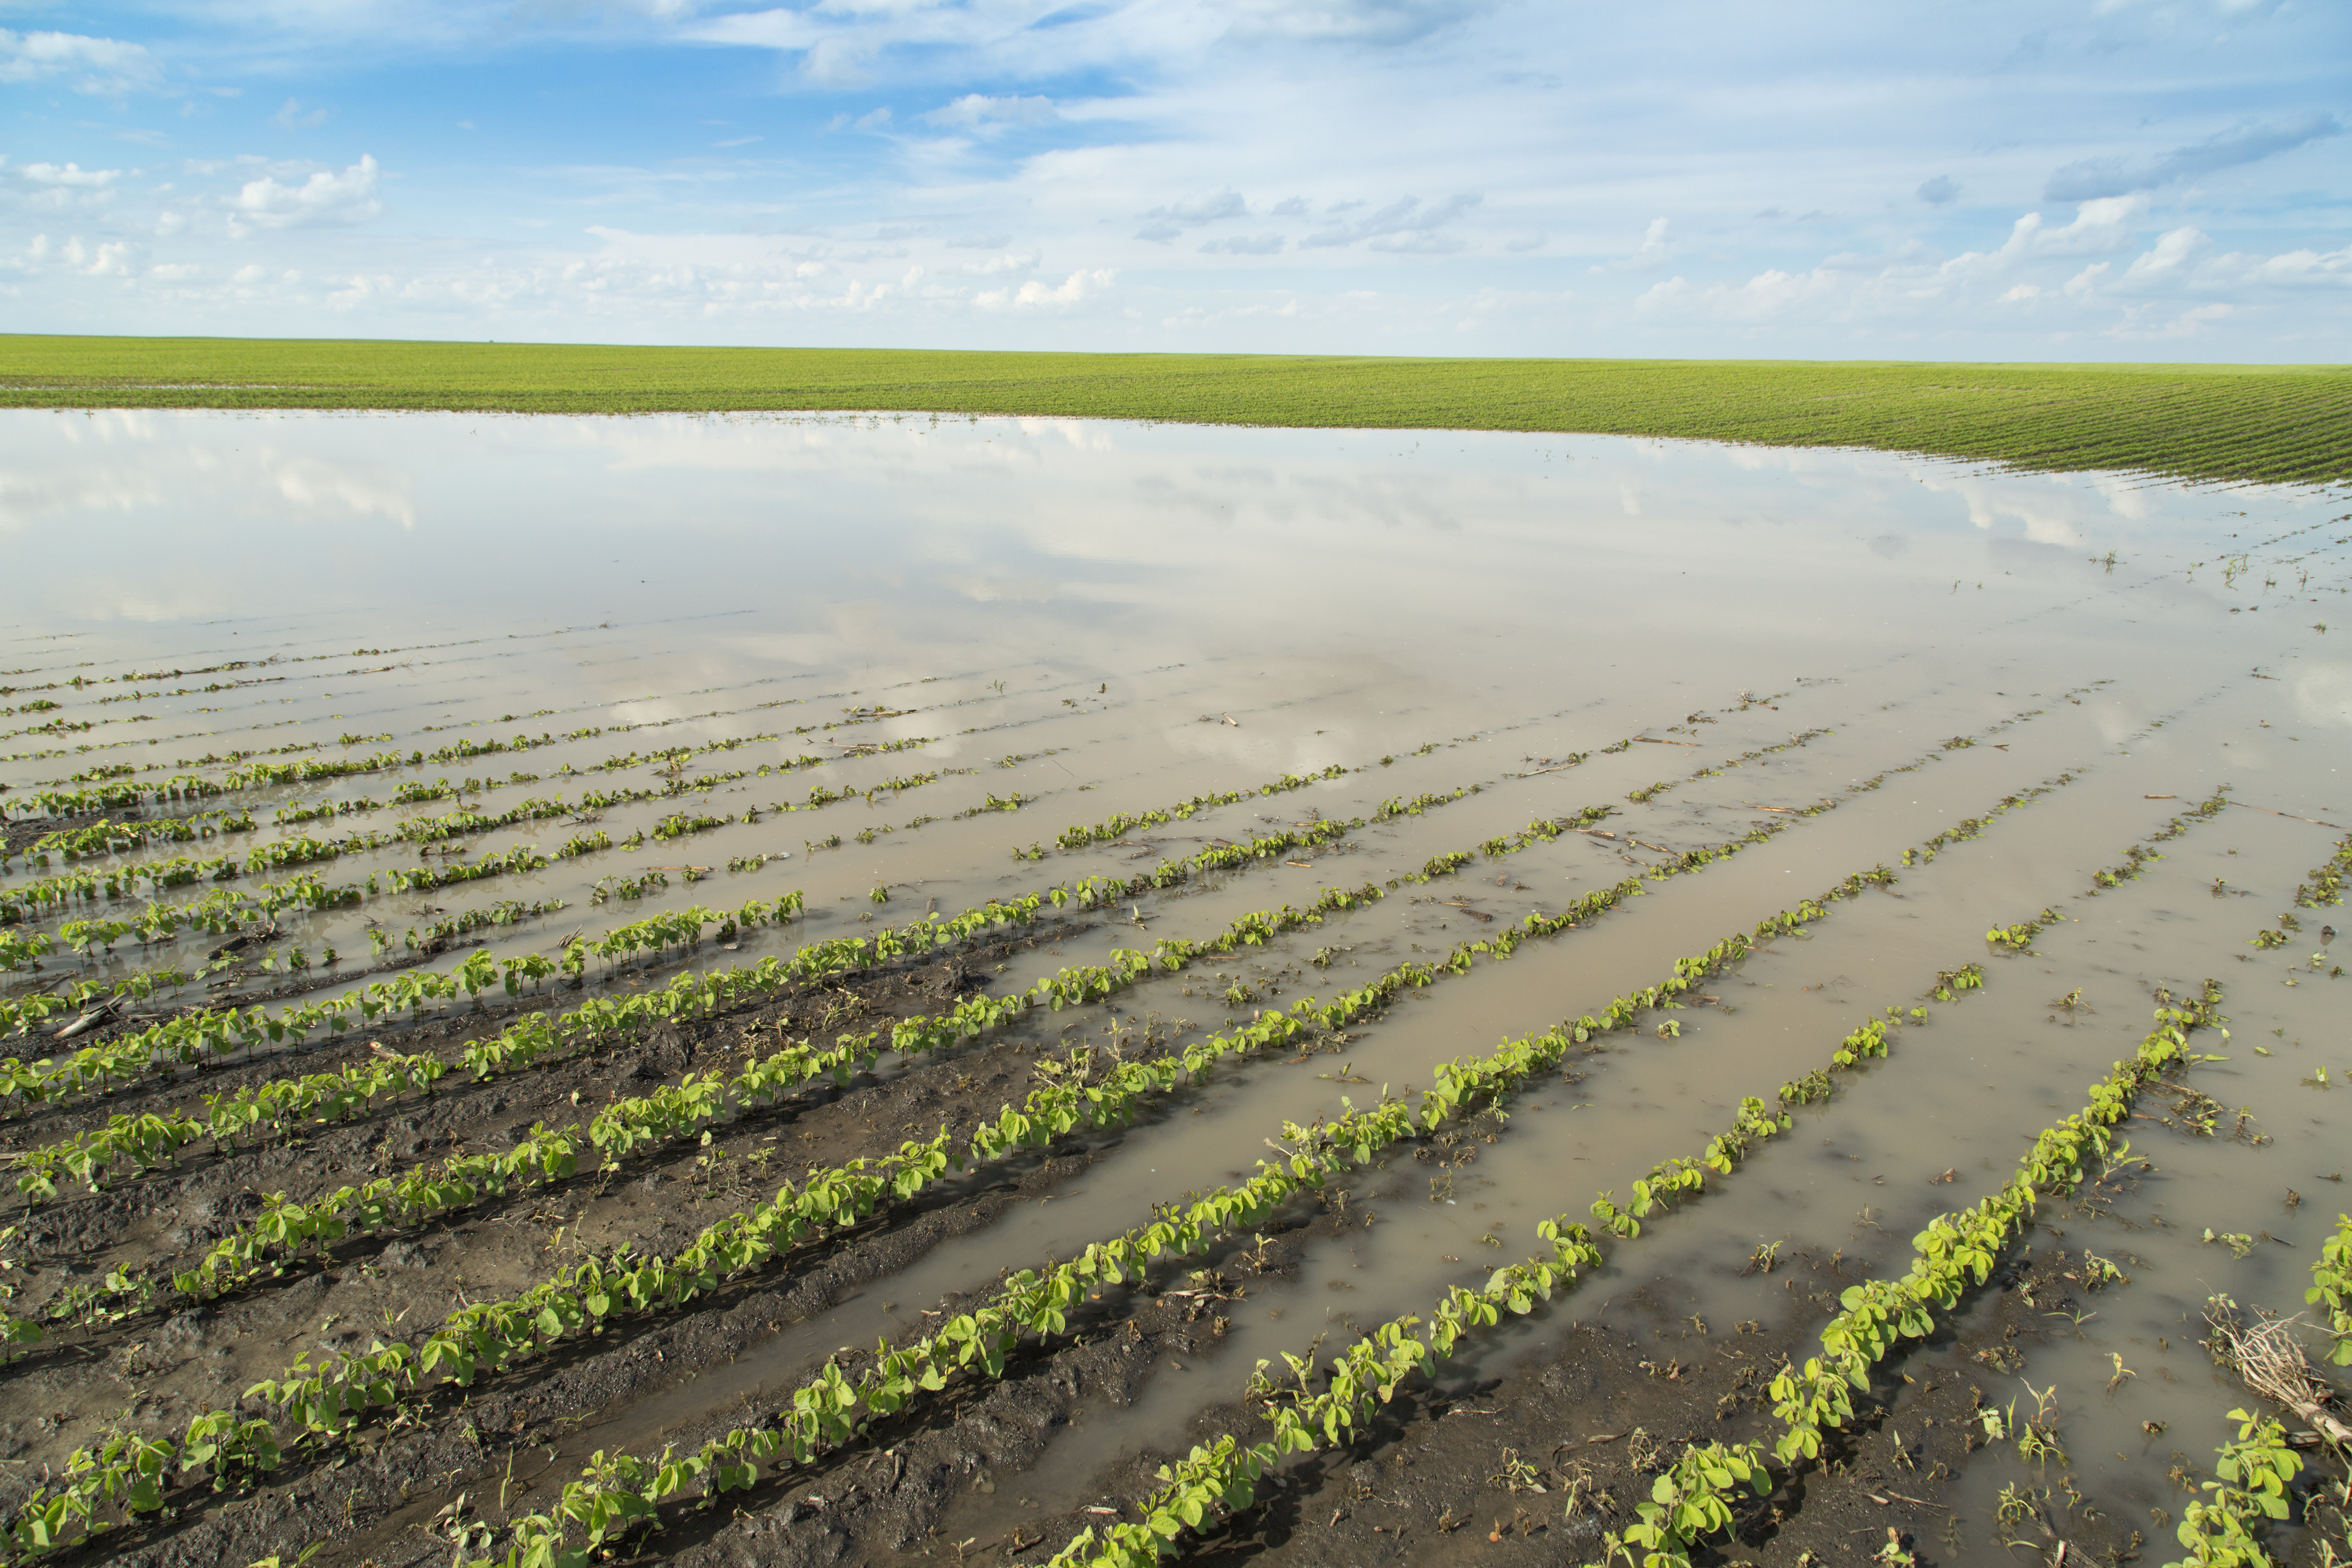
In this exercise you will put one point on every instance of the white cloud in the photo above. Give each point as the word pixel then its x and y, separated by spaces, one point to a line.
pixel 1057 124
pixel 2101 228
pixel 105 67
pixel 2167 261
pixel 69 175
pixel 1080 285
pixel 2165 291
pixel 1766 294
pixel 292 116
pixel 2183 260
pixel 1651 255
pixel 1025 262
pixel 107 259
pixel 2298 266
pixel 323 199
pixel 61 197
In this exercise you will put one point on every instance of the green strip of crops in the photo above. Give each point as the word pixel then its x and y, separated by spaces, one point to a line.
pixel 2287 424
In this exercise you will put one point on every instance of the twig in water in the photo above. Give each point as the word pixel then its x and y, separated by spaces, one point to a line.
pixel 2271 1361
pixel 2288 814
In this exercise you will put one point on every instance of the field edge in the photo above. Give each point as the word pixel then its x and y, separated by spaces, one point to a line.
pixel 2290 425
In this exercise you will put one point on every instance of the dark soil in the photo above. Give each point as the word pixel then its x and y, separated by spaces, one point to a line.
pixel 1541 1462
pixel 166 1365
pixel 1531 1466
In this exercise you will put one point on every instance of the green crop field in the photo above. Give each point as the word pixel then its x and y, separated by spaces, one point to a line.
pixel 2290 424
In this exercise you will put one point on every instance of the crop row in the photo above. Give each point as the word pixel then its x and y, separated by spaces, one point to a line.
pixel 147 1139
pixel 24 901
pixel 1631 886
pixel 226 910
pixel 122 1058
pixel 154 1139
pixel 1956 1250
pixel 640 1124
pixel 1801 738
pixel 1120 824
pixel 112 1474
pixel 329 1398
pixel 105 837
pixel 465 749
pixel 1692 1500
pixel 2324 885
pixel 1953 1253
pixel 2331 1288
pixel 619 1491
pixel 1678 1179
pixel 29 899
pixel 221 913
pixel 666 1113
pixel 1224 1473
pixel 110 837
pixel 123 794
pixel 141 984
pixel 2256 1470
pixel 671 1113
pixel 191 1037
pixel 118 794
pixel 141 1142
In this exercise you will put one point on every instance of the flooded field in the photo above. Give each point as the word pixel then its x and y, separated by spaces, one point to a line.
pixel 822 990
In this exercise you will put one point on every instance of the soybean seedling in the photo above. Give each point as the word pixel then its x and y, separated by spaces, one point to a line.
pixel 2038 1439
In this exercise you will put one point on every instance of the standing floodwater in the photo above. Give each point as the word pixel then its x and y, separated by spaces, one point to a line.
pixel 534 937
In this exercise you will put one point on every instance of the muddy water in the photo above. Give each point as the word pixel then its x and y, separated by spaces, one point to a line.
pixel 1076 620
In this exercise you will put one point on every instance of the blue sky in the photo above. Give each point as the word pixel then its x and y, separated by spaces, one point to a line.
pixel 1973 179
